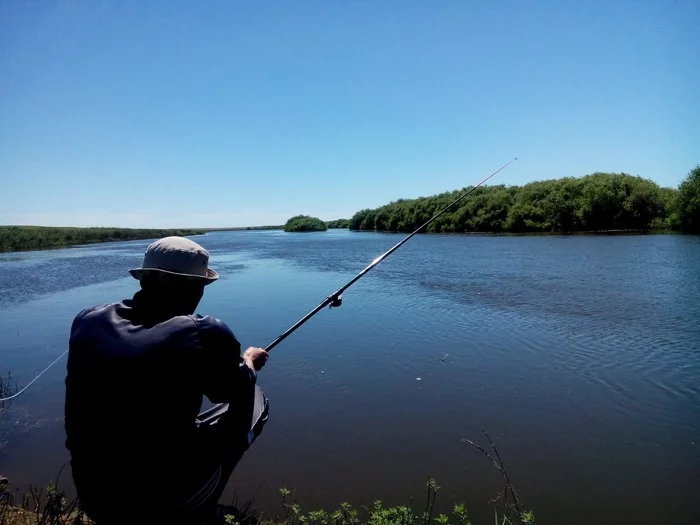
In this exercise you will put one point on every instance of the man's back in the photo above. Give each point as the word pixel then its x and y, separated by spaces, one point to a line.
pixel 125 361
pixel 137 374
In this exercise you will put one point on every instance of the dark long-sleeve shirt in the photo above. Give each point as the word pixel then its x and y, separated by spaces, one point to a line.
pixel 135 384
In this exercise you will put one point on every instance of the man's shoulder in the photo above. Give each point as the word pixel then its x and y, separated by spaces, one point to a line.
pixel 89 324
pixel 92 312
pixel 213 327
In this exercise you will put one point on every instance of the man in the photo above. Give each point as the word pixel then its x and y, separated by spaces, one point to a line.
pixel 137 373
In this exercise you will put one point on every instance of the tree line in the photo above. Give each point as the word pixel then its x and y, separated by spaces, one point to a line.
pixel 338 224
pixel 18 238
pixel 596 202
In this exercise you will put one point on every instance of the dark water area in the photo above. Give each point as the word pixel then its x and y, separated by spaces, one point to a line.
pixel 580 355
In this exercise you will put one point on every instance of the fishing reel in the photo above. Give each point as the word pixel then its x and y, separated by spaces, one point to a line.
pixel 336 301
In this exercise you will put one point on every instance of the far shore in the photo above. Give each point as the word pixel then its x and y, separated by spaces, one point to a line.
pixel 33 238
pixel 30 238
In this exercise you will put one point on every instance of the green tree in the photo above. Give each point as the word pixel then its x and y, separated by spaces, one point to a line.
pixel 338 223
pixel 305 223
pixel 688 203
pixel 600 201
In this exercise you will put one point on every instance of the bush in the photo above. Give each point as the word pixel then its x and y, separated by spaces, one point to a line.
pixel 305 223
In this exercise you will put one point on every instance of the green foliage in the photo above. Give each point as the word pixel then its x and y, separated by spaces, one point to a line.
pixel 379 514
pixel 16 238
pixel 596 202
pixel 51 506
pixel 688 203
pixel 460 512
pixel 47 506
pixel 443 519
pixel 305 223
pixel 338 223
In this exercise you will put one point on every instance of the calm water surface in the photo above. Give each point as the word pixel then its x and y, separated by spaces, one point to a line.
pixel 579 355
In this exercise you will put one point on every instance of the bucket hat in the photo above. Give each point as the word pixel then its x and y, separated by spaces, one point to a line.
pixel 177 256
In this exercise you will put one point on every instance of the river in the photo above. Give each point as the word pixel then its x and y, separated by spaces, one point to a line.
pixel 579 355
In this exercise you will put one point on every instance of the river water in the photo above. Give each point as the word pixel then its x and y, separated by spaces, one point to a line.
pixel 579 355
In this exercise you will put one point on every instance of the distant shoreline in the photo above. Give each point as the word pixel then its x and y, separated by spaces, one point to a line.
pixel 244 228
pixel 32 238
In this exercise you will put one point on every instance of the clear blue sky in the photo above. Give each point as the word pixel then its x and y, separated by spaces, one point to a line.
pixel 218 113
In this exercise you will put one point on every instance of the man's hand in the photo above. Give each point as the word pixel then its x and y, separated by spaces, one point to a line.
pixel 255 358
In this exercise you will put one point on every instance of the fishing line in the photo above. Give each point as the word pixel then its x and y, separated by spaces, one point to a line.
pixel 17 394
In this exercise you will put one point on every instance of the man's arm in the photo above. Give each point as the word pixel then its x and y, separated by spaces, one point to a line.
pixel 226 375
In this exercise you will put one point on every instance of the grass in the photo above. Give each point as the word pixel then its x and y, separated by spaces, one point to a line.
pixel 414 513
pixel 50 506
pixel 47 506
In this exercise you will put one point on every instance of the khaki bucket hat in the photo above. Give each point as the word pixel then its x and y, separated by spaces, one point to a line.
pixel 177 256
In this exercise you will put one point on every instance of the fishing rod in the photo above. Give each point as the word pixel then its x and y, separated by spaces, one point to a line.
pixel 336 299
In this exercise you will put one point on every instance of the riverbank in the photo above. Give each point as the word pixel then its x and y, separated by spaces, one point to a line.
pixel 26 238
pixel 50 505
